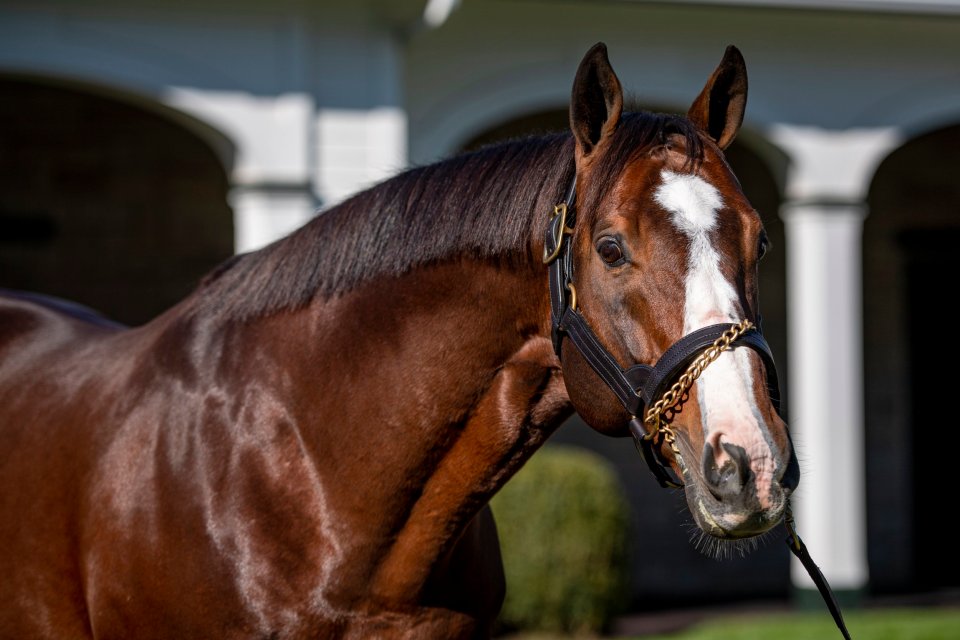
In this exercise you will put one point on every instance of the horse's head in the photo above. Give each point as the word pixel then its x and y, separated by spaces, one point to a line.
pixel 665 243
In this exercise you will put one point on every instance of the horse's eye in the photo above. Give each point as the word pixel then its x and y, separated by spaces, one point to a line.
pixel 610 251
pixel 762 246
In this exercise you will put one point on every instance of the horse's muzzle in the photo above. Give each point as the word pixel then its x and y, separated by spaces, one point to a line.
pixel 725 498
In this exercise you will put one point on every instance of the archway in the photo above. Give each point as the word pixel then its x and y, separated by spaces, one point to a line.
pixel 105 202
pixel 910 260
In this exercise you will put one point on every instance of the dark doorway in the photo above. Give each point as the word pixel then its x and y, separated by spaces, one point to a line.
pixel 910 264
pixel 931 264
pixel 105 202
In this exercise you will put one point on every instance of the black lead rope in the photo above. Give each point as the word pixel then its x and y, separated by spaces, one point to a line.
pixel 799 549
pixel 638 386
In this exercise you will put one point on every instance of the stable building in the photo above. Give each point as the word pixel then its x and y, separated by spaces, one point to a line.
pixel 141 145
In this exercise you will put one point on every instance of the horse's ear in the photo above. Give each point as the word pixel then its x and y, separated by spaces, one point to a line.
pixel 596 102
pixel 719 108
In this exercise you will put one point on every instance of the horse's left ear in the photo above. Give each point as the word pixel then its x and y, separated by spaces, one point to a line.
pixel 719 108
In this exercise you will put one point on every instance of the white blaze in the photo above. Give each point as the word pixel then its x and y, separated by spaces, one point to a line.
pixel 730 413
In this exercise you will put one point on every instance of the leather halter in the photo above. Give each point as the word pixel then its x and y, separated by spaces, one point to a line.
pixel 639 385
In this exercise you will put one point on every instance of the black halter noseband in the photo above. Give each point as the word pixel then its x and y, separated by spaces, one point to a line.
pixel 639 385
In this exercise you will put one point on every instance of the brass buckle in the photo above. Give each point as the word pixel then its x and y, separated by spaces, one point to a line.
pixel 573 295
pixel 560 229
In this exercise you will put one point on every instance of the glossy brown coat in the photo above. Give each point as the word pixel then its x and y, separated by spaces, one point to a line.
pixel 305 446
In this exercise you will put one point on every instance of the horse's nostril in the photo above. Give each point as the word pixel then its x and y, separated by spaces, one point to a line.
pixel 726 472
pixel 791 477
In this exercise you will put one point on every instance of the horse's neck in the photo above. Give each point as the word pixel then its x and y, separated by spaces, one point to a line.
pixel 419 398
pixel 417 353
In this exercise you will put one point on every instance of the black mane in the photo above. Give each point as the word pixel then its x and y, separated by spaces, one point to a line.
pixel 480 205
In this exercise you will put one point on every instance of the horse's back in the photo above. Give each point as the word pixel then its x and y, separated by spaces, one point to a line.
pixel 43 340
pixel 33 321
pixel 44 344
pixel 47 345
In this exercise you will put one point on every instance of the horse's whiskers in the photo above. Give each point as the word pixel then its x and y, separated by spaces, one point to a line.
pixel 721 549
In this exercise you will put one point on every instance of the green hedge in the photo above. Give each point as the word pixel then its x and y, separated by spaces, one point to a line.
pixel 564 528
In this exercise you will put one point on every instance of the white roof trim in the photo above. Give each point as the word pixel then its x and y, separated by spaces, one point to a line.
pixel 934 7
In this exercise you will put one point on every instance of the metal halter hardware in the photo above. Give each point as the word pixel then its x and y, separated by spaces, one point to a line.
pixel 641 386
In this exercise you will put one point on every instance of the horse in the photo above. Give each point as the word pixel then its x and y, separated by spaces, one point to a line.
pixel 305 446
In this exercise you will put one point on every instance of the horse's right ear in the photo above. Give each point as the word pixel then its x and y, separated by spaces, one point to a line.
pixel 596 102
pixel 719 108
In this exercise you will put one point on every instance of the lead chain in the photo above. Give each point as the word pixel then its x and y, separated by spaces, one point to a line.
pixel 660 414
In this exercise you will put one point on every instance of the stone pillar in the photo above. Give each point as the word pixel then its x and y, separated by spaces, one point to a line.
pixel 358 145
pixel 297 151
pixel 263 213
pixel 356 148
pixel 271 189
pixel 826 387
pixel 826 188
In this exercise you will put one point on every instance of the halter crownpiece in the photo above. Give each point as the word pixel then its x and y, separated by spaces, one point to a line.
pixel 651 392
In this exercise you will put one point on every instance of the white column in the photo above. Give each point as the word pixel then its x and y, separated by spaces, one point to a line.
pixel 826 387
pixel 264 213
pixel 272 191
pixel 356 148
pixel 360 143
pixel 826 188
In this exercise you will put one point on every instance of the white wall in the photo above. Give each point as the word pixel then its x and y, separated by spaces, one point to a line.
pixel 308 102
pixel 834 70
pixel 309 96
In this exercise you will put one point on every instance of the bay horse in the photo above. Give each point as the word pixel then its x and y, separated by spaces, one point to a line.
pixel 305 446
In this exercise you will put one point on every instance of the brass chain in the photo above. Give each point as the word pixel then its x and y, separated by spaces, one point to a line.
pixel 660 414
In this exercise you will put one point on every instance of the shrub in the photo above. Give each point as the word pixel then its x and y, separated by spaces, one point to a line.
pixel 564 526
